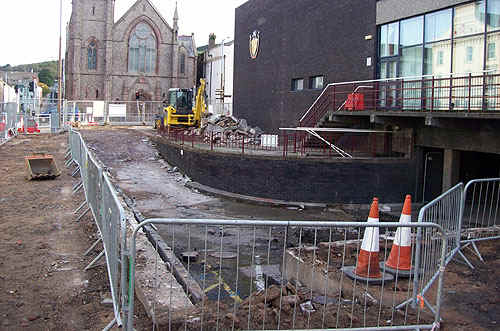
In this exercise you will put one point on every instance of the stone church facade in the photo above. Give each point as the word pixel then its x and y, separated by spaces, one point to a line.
pixel 112 61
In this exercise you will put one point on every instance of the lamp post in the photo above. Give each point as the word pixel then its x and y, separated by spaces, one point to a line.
pixel 59 85
pixel 210 81
pixel 223 73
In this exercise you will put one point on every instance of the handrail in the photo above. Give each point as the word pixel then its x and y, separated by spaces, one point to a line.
pixel 388 80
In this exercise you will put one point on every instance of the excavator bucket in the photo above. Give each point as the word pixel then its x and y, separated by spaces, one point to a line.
pixel 41 166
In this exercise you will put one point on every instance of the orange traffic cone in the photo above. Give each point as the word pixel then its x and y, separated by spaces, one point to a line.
pixel 399 260
pixel 367 268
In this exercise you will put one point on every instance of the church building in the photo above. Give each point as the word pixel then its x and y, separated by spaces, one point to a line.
pixel 140 54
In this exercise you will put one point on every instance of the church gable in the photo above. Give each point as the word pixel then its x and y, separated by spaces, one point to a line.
pixel 142 11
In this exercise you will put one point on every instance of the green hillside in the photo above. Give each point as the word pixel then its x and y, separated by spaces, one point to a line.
pixel 52 66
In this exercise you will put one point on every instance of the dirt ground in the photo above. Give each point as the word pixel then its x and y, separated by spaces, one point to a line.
pixel 42 282
pixel 471 298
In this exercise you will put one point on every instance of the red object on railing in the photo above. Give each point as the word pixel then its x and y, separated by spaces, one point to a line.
pixel 355 101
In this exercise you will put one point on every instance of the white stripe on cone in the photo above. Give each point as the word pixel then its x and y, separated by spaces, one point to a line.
pixel 403 234
pixel 370 239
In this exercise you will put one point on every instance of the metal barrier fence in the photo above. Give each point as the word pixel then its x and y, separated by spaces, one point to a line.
pixel 277 275
pixel 8 121
pixel 444 211
pixel 298 144
pixel 480 214
pixel 114 112
pixel 101 200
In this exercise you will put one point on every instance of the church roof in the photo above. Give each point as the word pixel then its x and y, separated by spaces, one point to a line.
pixel 149 3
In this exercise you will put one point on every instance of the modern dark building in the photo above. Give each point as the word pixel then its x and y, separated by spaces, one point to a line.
pixel 303 46
pixel 430 71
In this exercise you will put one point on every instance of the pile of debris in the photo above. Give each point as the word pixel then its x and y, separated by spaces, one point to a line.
pixel 227 129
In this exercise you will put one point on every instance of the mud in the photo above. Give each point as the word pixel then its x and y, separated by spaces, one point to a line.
pixel 157 189
pixel 42 282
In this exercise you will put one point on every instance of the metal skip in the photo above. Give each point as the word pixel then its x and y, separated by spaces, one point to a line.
pixel 41 166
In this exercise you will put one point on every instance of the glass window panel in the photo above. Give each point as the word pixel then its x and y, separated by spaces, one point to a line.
pixel 493 58
pixel 468 54
pixel 493 19
pixel 469 19
pixel 412 31
pixel 411 61
pixel 297 84
pixel 437 58
pixel 438 25
pixel 389 38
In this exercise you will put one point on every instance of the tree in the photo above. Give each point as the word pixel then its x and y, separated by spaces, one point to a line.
pixel 46 77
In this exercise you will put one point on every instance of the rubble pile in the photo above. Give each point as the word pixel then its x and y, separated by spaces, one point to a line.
pixel 226 129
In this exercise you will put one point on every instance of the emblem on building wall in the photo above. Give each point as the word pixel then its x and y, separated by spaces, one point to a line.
pixel 254 44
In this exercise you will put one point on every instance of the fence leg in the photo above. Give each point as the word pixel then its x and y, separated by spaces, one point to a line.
pixel 91 264
pixel 75 172
pixel 77 187
pixel 110 325
pixel 69 162
pixel 476 250
pixel 87 252
pixel 80 208
pixel 465 259
pixel 83 214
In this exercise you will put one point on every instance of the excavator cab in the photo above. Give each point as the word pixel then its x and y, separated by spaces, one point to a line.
pixel 181 100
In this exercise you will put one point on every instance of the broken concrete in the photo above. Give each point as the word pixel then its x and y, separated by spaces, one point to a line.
pixel 321 279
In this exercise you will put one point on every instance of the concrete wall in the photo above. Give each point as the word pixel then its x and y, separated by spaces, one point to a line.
pixel 479 137
pixel 298 39
pixel 392 10
pixel 334 181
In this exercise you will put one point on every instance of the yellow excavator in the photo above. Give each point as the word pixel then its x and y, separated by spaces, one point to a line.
pixel 180 111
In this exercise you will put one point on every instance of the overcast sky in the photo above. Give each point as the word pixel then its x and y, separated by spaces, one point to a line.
pixel 30 28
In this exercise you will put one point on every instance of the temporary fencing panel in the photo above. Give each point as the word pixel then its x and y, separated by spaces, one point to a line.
pixel 102 201
pixel 480 216
pixel 254 280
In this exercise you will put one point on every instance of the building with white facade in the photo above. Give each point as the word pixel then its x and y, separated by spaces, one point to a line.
pixel 217 70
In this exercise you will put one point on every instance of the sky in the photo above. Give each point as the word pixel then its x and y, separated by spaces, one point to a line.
pixel 24 43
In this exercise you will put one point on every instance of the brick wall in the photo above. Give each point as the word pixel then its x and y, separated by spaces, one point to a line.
pixel 339 181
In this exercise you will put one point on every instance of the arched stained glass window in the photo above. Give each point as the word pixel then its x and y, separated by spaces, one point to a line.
pixel 92 55
pixel 142 49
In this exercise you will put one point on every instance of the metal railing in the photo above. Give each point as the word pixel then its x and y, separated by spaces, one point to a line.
pixel 113 112
pixel 480 214
pixel 273 275
pixel 298 144
pixel 9 121
pixel 444 211
pixel 454 92
pixel 102 201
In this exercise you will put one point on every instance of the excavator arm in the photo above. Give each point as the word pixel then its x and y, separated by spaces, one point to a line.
pixel 200 106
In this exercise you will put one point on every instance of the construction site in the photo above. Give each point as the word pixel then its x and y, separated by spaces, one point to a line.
pixel 209 259
pixel 352 185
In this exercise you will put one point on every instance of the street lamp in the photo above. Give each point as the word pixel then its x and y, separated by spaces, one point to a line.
pixel 223 70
